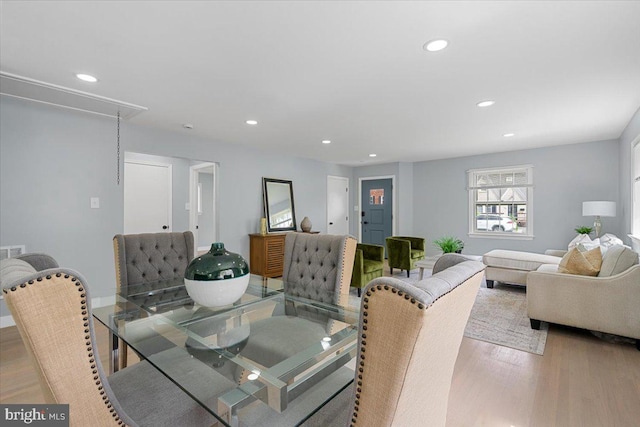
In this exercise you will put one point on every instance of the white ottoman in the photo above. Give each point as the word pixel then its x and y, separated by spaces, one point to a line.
pixel 513 266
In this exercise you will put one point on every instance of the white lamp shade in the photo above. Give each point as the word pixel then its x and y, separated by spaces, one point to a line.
pixel 599 208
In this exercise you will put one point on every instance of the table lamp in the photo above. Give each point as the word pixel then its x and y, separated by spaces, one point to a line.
pixel 598 209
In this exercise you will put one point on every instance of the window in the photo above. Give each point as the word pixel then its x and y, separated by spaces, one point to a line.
pixel 500 202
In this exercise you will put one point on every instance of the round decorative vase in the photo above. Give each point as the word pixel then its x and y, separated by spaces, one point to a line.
pixel 217 278
pixel 305 225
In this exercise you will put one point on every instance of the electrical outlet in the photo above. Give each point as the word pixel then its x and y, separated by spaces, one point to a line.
pixel 95 203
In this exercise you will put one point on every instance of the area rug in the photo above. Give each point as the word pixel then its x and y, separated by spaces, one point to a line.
pixel 499 316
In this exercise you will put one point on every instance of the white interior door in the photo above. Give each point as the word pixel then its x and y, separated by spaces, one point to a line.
pixel 337 205
pixel 147 198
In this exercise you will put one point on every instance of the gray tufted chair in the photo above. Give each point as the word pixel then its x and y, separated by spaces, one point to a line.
pixel 318 266
pixel 150 268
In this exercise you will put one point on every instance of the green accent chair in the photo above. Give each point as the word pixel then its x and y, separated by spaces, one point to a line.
pixel 404 251
pixel 367 265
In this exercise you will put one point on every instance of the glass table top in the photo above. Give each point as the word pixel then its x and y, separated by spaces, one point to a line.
pixel 270 354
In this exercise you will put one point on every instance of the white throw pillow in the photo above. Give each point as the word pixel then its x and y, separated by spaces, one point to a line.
pixel 580 238
pixel 13 269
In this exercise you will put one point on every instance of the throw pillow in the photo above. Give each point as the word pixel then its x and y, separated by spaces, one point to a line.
pixel 580 238
pixel 617 259
pixel 13 269
pixel 586 263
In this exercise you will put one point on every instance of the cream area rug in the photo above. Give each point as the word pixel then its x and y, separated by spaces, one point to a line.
pixel 499 316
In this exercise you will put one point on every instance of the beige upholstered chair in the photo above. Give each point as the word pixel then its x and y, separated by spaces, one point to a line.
pixel 408 343
pixel 150 269
pixel 52 311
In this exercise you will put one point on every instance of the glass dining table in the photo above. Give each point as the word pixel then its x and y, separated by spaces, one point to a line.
pixel 271 358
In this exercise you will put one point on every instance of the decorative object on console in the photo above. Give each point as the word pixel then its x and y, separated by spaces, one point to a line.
pixel 217 278
pixel 598 209
pixel 449 244
pixel 263 226
pixel 305 224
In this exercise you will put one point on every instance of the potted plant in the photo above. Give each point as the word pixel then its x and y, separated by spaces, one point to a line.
pixel 584 230
pixel 449 244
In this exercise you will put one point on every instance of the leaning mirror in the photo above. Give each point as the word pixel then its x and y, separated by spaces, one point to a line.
pixel 278 205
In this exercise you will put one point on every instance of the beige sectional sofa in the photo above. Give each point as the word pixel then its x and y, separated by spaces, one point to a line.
pixel 609 302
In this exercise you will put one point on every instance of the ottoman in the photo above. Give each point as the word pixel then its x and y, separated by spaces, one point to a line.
pixel 513 266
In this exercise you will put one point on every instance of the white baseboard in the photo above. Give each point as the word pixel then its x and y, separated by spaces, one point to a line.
pixel 6 321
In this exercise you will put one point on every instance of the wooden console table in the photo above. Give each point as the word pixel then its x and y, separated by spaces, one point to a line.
pixel 266 256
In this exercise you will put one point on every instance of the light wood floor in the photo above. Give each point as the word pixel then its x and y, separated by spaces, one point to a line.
pixel 580 381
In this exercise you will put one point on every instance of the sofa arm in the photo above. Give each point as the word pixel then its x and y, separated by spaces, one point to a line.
pixel 605 304
pixel 556 252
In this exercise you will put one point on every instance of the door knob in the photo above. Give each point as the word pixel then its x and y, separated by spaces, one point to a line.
pixel 164 227
pixel 366 222
pixel 330 223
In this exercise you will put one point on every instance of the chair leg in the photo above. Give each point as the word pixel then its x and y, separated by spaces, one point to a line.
pixel 359 292
pixel 391 270
pixel 638 345
pixel 408 272
pixel 489 284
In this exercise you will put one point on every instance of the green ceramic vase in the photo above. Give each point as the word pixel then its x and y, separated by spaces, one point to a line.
pixel 217 278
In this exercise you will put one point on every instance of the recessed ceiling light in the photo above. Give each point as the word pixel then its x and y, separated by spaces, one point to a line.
pixel 187 126
pixel 372 155
pixel 435 45
pixel 252 122
pixel 86 78
pixel 326 339
pixel 486 103
pixel 326 141
pixel 508 135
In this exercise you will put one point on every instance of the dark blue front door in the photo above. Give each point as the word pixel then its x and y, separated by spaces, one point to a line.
pixel 376 216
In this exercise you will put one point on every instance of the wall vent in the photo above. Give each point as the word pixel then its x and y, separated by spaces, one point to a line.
pixel 11 251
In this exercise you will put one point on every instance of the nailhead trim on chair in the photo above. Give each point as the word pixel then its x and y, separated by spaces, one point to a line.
pixel 83 307
pixel 363 342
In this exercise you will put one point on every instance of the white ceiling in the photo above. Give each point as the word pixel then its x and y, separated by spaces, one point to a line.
pixel 352 72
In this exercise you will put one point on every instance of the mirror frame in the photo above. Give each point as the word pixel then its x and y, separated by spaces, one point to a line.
pixel 265 198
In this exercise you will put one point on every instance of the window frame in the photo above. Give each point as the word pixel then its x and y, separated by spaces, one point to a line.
pixel 472 188
pixel 635 181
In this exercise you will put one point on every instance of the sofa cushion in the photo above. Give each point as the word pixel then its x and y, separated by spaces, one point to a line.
pixel 514 260
pixel 617 259
pixel 416 253
pixel 13 269
pixel 370 266
pixel 585 263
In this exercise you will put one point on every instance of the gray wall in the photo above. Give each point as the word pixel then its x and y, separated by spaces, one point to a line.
pixel 53 160
pixel 629 135
pixel 564 177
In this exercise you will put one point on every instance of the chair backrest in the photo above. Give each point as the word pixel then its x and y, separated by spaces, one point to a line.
pixel 149 257
pixel 318 266
pixel 52 311
pixel 408 343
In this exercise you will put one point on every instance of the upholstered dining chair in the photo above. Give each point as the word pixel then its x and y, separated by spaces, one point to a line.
pixel 52 310
pixel 408 342
pixel 151 266
pixel 316 267
pixel 403 252
pixel 368 265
